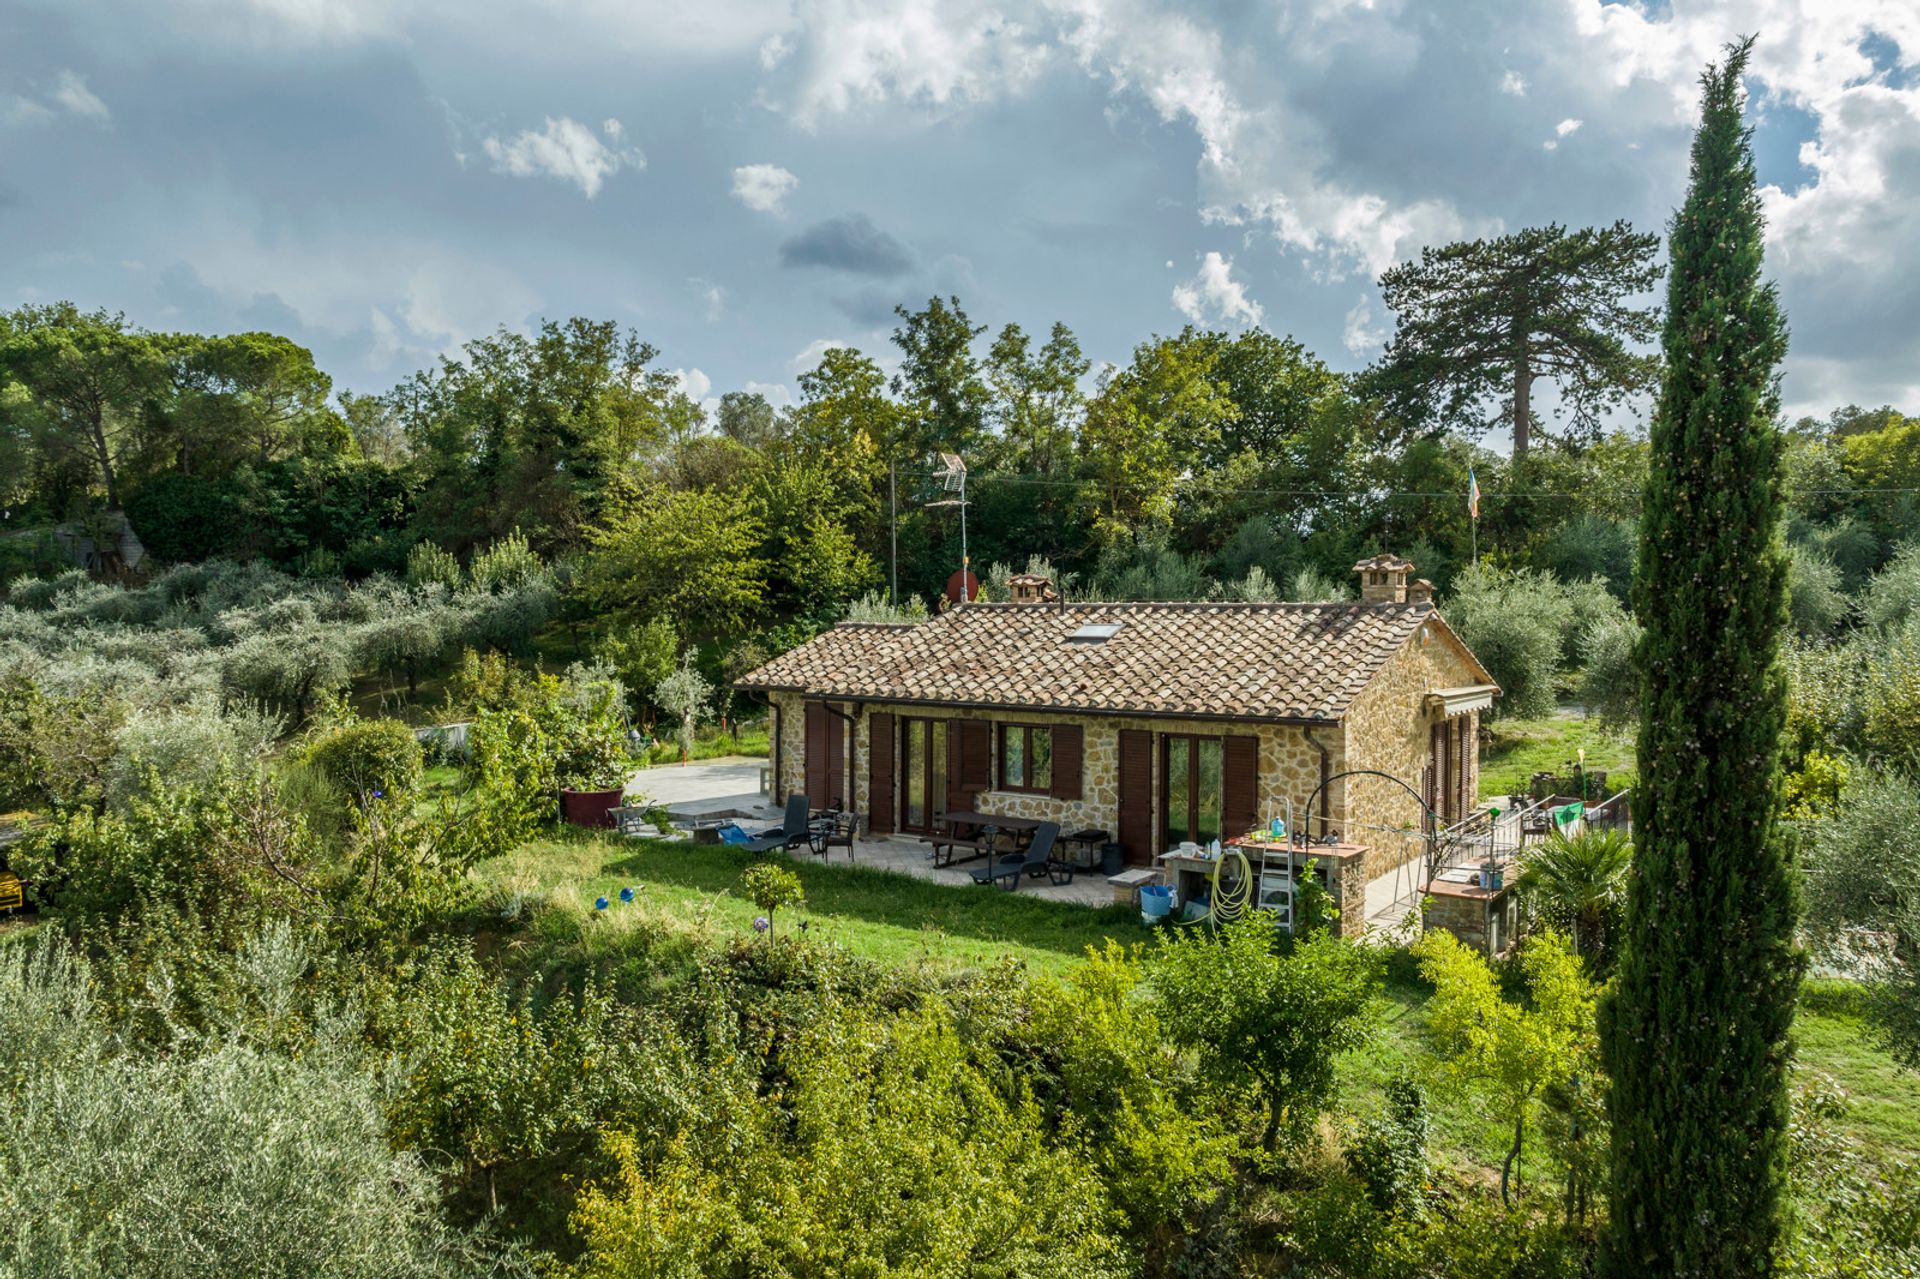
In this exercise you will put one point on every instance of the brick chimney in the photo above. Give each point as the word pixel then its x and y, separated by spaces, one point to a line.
pixel 1383 579
pixel 1420 592
pixel 1030 588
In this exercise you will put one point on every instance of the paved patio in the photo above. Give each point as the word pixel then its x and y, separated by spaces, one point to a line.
pixel 730 787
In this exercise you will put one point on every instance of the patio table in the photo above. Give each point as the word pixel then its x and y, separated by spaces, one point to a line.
pixel 960 819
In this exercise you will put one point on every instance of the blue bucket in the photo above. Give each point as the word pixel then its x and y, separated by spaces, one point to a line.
pixel 1156 900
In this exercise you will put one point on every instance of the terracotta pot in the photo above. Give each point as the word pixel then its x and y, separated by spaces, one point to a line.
pixel 589 807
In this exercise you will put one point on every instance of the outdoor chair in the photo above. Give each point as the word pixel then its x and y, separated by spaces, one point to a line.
pixel 835 830
pixel 1036 861
pixel 793 831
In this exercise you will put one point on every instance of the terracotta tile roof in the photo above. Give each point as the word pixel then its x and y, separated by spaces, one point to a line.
pixel 1238 661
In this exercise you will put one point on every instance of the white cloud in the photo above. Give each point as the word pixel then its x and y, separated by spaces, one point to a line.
pixel 1362 334
pixel 1840 245
pixel 16 111
pixel 566 149
pixel 763 187
pixel 1565 127
pixel 1514 84
pixel 1214 296
pixel 713 298
pixel 692 383
pixel 815 351
pixel 72 93
pixel 934 54
pixel 774 393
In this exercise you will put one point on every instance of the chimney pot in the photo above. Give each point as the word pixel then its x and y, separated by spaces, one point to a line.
pixel 1383 579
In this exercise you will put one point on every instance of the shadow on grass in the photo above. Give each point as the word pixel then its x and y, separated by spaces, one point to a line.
pixel 888 897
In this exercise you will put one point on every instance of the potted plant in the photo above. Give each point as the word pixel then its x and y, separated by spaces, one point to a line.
pixel 590 754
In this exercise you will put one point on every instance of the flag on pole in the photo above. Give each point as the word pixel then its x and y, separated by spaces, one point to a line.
pixel 1473 495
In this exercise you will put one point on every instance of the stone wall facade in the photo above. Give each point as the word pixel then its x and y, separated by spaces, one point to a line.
pixel 1289 767
pixel 1389 728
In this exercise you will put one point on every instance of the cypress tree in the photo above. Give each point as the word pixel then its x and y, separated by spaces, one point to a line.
pixel 1696 1029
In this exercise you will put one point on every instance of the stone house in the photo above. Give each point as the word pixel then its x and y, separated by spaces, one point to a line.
pixel 1159 723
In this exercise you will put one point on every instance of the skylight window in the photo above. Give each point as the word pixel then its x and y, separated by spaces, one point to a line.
pixel 1096 632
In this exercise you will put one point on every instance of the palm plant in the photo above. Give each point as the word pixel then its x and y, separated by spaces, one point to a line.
pixel 1579 883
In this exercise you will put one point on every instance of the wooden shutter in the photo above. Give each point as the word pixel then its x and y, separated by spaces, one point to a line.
pixel 1463 745
pixel 1239 785
pixel 1136 795
pixel 880 773
pixel 815 770
pixel 1436 770
pixel 974 764
pixel 836 761
pixel 1066 761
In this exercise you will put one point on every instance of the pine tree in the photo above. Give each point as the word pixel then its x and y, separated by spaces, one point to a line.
pixel 1696 1032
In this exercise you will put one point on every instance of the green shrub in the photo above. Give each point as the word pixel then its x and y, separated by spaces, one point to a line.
pixel 1816 598
pixel 888 1147
pixel 1389 1154
pixel 772 887
pixel 1267 1029
pixel 368 758
pixel 429 565
pixel 1513 623
pixel 506 566
pixel 195 1163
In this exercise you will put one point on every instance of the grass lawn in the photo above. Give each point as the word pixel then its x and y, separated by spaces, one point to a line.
pixel 744 739
pixel 878 914
pixel 1520 748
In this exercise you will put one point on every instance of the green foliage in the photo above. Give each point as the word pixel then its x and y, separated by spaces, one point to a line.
pixel 683 695
pixel 1699 1103
pixel 1813 789
pixel 1853 1218
pixel 213 1159
pixel 1518 1053
pixel 366 758
pixel 1389 1153
pixel 1609 679
pixel 772 887
pixel 1893 596
pixel 429 565
pixel 1516 624
pixel 641 655
pixel 873 607
pixel 584 720
pixel 513 1091
pixel 887 1147
pixel 1578 885
pixel 1480 321
pixel 1266 1028
pixel 507 565
pixel 1863 896
pixel 1153 1133
pixel 690 557
pixel 167 844
pixel 1816 600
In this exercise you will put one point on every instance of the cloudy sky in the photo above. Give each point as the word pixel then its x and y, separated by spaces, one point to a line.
pixel 745 182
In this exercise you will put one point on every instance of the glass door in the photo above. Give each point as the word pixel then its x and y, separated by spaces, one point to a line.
pixel 923 773
pixel 1191 780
